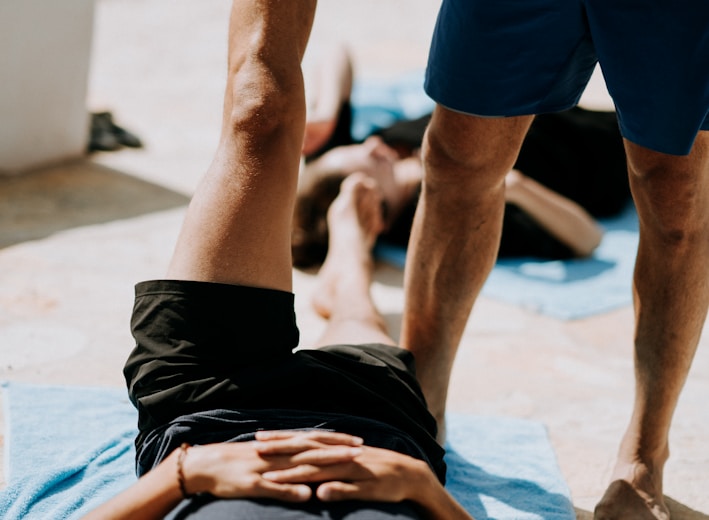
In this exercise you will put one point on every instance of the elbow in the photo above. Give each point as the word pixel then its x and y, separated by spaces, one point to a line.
pixel 585 248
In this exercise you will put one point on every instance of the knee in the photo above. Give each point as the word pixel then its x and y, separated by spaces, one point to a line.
pixel 458 169
pixel 672 203
pixel 263 99
pixel 466 163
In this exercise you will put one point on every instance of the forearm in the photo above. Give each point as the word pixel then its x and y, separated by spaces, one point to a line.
pixel 430 495
pixel 561 217
pixel 333 85
pixel 151 497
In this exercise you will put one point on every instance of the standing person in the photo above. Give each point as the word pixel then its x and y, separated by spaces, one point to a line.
pixel 215 365
pixel 492 66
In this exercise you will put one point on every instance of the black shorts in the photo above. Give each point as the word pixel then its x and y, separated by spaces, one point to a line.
pixel 206 348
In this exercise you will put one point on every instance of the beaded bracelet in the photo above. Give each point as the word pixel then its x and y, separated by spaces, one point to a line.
pixel 180 474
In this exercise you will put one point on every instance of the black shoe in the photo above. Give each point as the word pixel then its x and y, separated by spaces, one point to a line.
pixel 102 138
pixel 126 138
pixel 107 136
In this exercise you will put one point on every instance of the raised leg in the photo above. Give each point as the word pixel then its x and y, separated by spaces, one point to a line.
pixel 237 228
pixel 671 291
pixel 455 237
pixel 344 281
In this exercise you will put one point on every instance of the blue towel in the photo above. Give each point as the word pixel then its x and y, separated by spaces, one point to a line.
pixel 378 104
pixel 564 289
pixel 505 468
pixel 68 449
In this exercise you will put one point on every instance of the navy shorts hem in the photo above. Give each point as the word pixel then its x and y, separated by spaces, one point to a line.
pixel 506 58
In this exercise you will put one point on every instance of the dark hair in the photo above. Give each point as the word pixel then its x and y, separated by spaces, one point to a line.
pixel 310 237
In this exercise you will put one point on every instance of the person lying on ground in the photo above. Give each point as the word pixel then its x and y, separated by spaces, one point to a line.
pixel 228 411
pixel 571 170
pixel 233 421
pixel 539 221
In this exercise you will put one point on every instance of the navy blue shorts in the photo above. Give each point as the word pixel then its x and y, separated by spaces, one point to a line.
pixel 498 58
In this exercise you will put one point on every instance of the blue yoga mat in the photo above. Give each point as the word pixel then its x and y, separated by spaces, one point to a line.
pixel 68 449
pixel 564 289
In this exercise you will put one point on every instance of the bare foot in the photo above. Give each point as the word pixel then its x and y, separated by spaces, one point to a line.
pixel 634 493
pixel 354 221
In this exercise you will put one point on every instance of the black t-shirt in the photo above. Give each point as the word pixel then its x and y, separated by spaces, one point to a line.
pixel 227 425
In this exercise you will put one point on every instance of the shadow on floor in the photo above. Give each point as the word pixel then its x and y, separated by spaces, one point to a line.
pixel 682 512
pixel 678 512
pixel 40 203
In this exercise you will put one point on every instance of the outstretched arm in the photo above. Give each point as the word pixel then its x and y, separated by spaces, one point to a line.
pixel 567 221
pixel 329 88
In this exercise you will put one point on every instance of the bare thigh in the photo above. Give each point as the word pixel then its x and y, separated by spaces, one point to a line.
pixel 237 228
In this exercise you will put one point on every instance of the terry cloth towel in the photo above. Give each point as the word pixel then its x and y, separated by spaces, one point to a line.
pixel 68 449
pixel 564 289
pixel 378 104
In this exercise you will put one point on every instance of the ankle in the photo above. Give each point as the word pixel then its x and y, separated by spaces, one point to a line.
pixel 642 468
pixel 634 449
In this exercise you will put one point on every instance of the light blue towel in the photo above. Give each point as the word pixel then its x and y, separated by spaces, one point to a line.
pixel 69 449
pixel 565 289
pixel 505 468
pixel 378 104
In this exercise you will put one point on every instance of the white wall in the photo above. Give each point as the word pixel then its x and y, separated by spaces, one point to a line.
pixel 44 61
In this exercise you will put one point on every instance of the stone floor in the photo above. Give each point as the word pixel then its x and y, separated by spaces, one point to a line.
pixel 74 239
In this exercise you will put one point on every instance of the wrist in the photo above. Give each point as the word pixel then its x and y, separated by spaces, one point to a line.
pixel 423 483
pixel 515 186
pixel 429 493
pixel 189 471
pixel 182 452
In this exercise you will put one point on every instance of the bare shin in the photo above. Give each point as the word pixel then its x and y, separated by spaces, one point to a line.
pixel 671 284
pixel 455 237
pixel 671 296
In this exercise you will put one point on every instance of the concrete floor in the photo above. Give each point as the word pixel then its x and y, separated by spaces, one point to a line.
pixel 76 237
